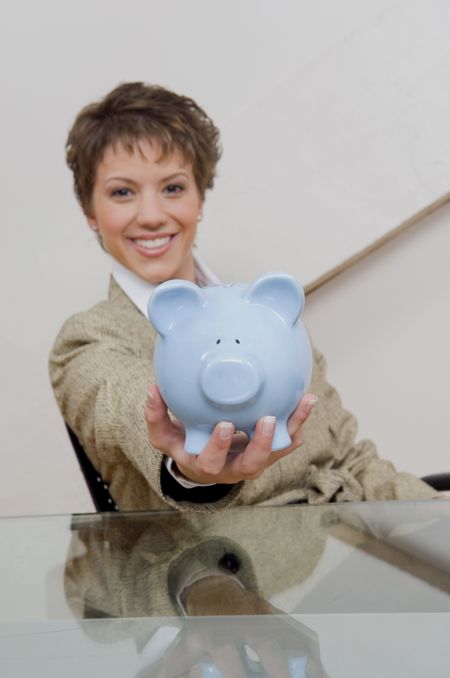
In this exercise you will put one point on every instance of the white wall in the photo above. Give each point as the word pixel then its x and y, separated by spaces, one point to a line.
pixel 334 119
pixel 384 327
pixel 348 146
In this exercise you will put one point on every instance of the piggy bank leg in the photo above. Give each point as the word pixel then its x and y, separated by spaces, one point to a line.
pixel 281 437
pixel 197 439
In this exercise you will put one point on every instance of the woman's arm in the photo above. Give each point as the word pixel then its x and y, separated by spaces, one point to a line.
pixel 357 472
pixel 99 384
pixel 100 371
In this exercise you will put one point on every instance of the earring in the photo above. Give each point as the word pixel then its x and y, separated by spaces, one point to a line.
pixel 200 217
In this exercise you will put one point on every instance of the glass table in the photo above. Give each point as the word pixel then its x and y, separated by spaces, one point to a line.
pixel 357 589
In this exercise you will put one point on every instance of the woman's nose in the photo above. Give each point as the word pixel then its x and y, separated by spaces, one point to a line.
pixel 151 212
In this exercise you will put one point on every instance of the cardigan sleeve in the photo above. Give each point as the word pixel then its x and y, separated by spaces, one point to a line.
pixel 100 378
pixel 356 472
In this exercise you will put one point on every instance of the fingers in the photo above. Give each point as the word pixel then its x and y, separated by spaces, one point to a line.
pixel 301 413
pixel 155 405
pixel 187 652
pixel 207 649
pixel 215 464
pixel 258 455
pixel 208 466
pixel 254 460
pixel 272 658
pixel 227 662
pixel 162 432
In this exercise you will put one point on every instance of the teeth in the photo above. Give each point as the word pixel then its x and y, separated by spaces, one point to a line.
pixel 153 244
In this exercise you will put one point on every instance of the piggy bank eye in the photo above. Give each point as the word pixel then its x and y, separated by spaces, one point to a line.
pixel 218 341
pixel 237 341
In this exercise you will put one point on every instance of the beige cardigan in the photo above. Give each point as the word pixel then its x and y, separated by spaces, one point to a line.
pixel 100 367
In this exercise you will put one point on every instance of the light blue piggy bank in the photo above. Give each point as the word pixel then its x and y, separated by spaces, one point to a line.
pixel 231 353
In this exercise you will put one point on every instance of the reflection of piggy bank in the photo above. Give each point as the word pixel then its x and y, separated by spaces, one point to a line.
pixel 231 353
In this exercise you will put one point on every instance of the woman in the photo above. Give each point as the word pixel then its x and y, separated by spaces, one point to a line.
pixel 142 160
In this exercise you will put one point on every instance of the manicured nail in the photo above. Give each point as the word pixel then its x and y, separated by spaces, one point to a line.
pixel 268 425
pixel 310 404
pixel 150 397
pixel 226 429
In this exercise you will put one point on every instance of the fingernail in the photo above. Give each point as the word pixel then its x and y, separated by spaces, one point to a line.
pixel 150 397
pixel 226 429
pixel 268 425
pixel 310 404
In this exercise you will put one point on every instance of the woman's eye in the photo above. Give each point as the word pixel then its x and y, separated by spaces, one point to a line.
pixel 121 192
pixel 174 188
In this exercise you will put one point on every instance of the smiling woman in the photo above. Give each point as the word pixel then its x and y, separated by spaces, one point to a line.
pixel 142 159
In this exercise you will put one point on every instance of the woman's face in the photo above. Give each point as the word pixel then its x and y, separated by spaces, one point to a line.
pixel 145 209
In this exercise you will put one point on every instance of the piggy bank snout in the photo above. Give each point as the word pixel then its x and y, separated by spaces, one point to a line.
pixel 231 381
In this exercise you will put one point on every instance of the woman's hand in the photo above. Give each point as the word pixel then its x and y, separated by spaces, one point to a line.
pixel 227 458
pixel 219 644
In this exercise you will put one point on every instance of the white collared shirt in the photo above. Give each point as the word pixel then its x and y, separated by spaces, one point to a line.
pixel 139 292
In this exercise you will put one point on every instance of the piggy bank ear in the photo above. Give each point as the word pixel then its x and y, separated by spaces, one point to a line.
pixel 173 301
pixel 280 292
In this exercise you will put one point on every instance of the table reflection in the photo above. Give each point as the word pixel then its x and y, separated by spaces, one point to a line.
pixel 191 568
pixel 228 581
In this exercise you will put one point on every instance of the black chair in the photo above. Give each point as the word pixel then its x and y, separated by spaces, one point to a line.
pixel 97 487
pixel 439 481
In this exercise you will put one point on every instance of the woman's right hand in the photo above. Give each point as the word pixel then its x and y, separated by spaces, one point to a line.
pixel 248 458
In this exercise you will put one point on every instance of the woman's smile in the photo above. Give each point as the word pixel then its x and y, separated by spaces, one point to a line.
pixel 153 246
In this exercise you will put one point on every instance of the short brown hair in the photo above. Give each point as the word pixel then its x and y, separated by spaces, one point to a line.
pixel 135 111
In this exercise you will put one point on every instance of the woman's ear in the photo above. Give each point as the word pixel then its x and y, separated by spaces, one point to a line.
pixel 92 223
pixel 200 207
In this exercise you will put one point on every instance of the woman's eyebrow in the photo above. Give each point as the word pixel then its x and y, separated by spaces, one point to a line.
pixel 126 179
pixel 176 174
pixel 164 179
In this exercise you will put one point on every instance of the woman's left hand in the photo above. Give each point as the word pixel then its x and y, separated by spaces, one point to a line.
pixel 227 458
pixel 220 647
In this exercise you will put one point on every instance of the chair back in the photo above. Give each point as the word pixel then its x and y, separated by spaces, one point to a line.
pixel 97 487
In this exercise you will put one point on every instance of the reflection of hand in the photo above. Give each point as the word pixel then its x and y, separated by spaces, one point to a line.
pixel 226 645
pixel 215 464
